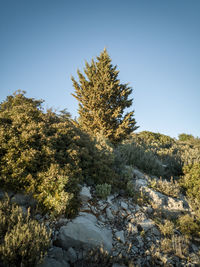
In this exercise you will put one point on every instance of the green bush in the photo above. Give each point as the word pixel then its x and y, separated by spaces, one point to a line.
pixel 191 183
pixel 167 229
pixel 22 239
pixel 47 155
pixel 169 188
pixel 103 190
pixel 172 153
pixel 188 226
pixel 185 137
pixel 135 155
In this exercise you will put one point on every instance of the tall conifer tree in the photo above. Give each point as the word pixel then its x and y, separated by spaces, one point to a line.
pixel 103 99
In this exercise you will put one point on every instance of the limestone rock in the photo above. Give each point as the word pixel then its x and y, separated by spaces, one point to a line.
pixel 124 205
pixel 85 194
pixel 83 232
pixel 109 214
pixel 138 174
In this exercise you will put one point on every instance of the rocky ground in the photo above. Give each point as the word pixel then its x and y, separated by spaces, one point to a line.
pixel 119 231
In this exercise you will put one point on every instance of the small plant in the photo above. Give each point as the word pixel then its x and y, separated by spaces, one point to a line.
pixel 130 189
pixel 103 190
pixel 169 188
pixel 23 241
pixel 167 229
pixel 188 226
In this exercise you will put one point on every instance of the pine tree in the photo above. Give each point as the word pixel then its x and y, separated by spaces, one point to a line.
pixel 103 99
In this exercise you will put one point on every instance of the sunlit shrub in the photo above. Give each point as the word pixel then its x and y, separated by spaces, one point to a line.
pixel 191 183
pixel 167 229
pixel 188 226
pixel 169 188
pixel 48 155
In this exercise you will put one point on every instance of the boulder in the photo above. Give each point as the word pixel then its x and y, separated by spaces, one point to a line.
pixel 85 194
pixel 83 232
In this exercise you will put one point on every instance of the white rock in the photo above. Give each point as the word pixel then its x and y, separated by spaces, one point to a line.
pixel 82 232
pixel 120 236
pixel 85 194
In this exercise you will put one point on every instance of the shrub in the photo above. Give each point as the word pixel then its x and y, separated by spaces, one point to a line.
pixel 23 240
pixel 185 137
pixel 171 153
pixel 191 183
pixel 103 190
pixel 188 226
pixel 135 155
pixel 167 229
pixel 48 155
pixel 169 188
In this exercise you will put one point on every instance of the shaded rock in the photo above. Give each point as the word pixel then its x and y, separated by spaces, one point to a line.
pixel 138 174
pixel 109 214
pixel 2 194
pixel 82 232
pixel 56 253
pixel 50 262
pixel 85 194
pixel 71 253
pixel 23 200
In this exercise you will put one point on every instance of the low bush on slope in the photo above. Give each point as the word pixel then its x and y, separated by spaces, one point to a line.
pixel 23 241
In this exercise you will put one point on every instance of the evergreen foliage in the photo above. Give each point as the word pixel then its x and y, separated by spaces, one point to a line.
pixel 103 100
pixel 46 155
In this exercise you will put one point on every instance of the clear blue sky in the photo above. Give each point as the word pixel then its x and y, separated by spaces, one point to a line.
pixel 155 44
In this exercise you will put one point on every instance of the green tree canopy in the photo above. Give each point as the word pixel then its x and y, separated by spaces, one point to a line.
pixel 103 100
